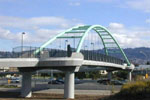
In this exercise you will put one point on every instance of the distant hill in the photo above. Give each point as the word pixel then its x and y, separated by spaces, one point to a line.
pixel 140 53
pixel 136 55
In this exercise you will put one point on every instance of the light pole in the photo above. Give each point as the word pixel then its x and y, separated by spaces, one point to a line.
pixel 93 49
pixel 93 45
pixel 66 42
pixel 22 43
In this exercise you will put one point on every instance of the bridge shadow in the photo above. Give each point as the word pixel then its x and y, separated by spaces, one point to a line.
pixel 9 94
pixel 15 94
pixel 40 96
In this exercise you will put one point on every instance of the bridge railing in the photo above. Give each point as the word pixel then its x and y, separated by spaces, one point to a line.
pixel 28 52
pixel 96 56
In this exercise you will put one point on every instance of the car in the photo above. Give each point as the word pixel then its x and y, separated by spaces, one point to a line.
pixel 57 81
pixel 60 81
pixel 116 82
pixel 77 81
pixel 104 81
pixel 110 82
pixel 15 80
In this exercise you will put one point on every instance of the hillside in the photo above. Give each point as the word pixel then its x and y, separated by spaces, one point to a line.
pixel 138 55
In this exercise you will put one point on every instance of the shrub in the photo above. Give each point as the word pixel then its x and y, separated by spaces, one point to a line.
pixel 139 78
pixel 139 89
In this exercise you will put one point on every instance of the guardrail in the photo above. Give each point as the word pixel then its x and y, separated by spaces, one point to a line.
pixel 28 52
pixel 96 56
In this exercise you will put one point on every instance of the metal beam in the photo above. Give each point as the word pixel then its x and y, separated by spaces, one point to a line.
pixel 70 37
pixel 75 32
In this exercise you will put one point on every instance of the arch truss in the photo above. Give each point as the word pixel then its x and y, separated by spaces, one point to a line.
pixel 104 34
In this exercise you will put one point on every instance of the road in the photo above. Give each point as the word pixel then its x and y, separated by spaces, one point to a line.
pixel 44 91
pixel 41 84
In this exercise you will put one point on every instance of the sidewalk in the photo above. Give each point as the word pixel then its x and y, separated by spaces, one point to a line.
pixel 79 92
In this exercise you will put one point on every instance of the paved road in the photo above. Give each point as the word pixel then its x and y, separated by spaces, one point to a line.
pixel 3 81
pixel 84 85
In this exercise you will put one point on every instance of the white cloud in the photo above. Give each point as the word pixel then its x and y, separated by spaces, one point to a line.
pixel 116 25
pixel 147 21
pixel 143 5
pixel 130 37
pixel 38 36
pixel 35 22
pixel 6 34
pixel 102 0
pixel 74 4
pixel 38 29
pixel 44 34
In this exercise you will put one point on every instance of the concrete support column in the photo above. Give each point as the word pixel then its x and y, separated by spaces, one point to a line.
pixel 109 75
pixel 69 85
pixel 26 85
pixel 130 76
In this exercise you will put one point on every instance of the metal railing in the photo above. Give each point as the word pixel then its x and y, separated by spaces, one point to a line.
pixel 28 52
pixel 96 56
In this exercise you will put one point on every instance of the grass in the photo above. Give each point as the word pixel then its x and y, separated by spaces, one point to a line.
pixel 139 90
pixel 8 86
pixel 45 96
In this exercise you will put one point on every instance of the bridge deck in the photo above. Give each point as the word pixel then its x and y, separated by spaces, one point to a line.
pixel 55 62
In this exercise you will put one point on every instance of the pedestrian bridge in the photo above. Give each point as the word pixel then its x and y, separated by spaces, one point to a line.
pixel 88 45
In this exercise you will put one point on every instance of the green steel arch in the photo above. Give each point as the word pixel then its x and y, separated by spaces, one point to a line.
pixel 103 33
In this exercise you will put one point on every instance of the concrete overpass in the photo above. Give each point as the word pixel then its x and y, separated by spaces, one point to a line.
pixel 69 65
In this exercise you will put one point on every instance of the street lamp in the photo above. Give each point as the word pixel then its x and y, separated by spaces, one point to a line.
pixel 93 49
pixel 93 45
pixel 22 42
pixel 66 42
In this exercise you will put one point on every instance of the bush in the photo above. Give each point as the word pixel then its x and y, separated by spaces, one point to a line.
pixel 138 78
pixel 139 89
pixel 138 86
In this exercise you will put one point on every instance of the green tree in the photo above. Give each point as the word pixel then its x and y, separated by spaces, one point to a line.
pixel 94 75
pixel 80 75
pixel 121 74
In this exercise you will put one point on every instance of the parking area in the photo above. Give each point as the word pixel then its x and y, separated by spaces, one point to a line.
pixel 39 84
pixel 84 89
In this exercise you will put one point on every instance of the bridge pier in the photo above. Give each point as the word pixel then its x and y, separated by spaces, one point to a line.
pixel 109 75
pixel 130 76
pixel 26 85
pixel 69 85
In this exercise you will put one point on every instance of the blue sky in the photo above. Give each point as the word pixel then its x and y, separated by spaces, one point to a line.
pixel 128 20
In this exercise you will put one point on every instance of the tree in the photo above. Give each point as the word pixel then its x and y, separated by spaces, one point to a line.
pixel 80 75
pixel 121 74
pixel 147 63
